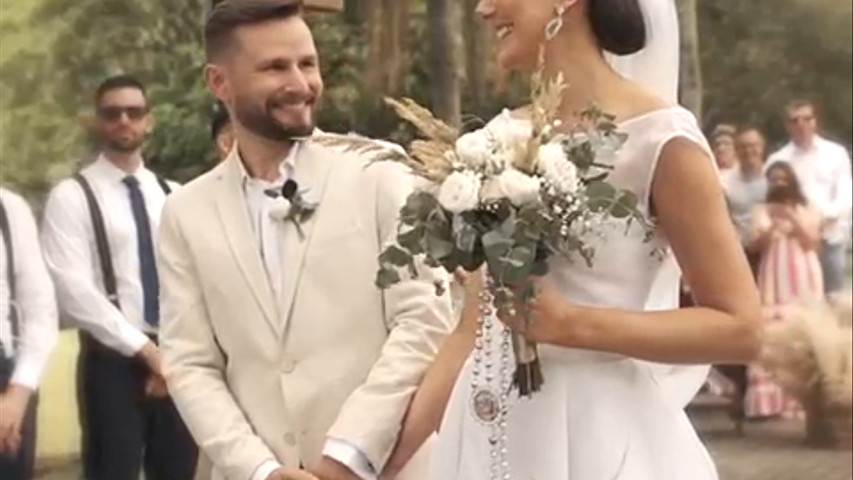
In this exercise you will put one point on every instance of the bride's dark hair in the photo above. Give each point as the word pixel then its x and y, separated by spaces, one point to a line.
pixel 618 25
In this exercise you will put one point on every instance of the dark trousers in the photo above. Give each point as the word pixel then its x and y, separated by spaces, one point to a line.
pixel 124 431
pixel 20 466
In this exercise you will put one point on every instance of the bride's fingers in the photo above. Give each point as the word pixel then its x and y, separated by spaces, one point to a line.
pixel 461 276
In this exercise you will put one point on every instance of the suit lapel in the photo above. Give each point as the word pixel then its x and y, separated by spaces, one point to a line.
pixel 234 216
pixel 313 166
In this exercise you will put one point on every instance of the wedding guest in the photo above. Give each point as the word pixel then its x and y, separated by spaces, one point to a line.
pixel 745 186
pixel 786 230
pixel 823 169
pixel 28 332
pixel 98 244
pixel 723 144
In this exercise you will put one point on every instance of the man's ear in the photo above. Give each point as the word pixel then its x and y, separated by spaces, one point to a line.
pixel 216 80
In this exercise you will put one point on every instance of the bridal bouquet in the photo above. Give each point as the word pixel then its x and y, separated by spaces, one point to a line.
pixel 508 201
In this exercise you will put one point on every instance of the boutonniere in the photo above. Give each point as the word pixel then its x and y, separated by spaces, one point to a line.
pixel 292 205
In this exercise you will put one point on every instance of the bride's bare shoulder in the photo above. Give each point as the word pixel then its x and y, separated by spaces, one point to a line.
pixel 520 113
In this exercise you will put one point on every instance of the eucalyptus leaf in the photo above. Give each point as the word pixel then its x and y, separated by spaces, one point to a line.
pixel 438 247
pixel 387 277
pixel 413 240
pixel 396 256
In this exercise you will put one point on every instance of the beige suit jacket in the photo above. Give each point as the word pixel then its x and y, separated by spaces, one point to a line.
pixel 257 378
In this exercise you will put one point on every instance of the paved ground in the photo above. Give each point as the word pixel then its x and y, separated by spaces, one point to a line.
pixel 768 451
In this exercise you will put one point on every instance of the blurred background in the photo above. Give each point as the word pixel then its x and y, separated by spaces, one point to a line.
pixel 742 62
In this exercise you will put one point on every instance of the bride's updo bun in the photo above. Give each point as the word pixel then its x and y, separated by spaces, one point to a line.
pixel 618 25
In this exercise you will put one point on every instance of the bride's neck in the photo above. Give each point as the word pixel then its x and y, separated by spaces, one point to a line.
pixel 588 76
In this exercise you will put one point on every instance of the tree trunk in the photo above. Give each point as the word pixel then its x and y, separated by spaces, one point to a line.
pixel 691 88
pixel 478 55
pixel 387 33
pixel 444 60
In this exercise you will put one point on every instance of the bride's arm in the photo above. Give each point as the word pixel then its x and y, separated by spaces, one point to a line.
pixel 427 408
pixel 725 324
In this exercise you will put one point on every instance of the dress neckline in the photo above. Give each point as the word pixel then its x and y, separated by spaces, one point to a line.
pixel 628 121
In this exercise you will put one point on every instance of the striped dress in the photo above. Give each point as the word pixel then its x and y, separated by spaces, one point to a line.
pixel 789 274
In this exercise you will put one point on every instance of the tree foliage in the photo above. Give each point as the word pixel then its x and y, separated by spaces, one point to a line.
pixel 754 56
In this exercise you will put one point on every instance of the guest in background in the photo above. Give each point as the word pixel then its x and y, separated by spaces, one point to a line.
pixel 746 186
pixel 98 244
pixel 723 143
pixel 786 230
pixel 28 333
pixel 823 168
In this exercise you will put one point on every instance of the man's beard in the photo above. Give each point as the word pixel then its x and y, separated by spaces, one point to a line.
pixel 124 146
pixel 260 121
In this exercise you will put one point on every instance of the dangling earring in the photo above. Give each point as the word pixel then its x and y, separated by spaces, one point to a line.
pixel 556 24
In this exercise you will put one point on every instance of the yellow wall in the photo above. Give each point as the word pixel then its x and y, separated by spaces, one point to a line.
pixel 58 428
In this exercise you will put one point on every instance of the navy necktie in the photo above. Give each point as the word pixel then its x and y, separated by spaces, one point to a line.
pixel 147 263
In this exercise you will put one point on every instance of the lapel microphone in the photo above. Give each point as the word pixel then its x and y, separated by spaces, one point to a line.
pixel 289 191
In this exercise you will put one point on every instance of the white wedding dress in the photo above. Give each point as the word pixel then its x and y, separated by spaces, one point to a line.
pixel 599 416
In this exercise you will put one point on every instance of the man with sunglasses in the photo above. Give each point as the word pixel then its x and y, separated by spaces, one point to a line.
pixel 824 170
pixel 98 244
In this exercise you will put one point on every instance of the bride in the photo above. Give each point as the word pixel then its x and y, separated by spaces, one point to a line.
pixel 620 360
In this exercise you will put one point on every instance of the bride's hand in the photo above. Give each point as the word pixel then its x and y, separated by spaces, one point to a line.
pixel 549 316
pixel 471 284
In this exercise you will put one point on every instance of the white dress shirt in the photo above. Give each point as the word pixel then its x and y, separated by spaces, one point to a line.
pixel 264 226
pixel 825 174
pixel 35 302
pixel 743 193
pixel 68 239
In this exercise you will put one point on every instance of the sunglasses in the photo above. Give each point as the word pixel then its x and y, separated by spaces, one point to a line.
pixel 112 114
pixel 801 119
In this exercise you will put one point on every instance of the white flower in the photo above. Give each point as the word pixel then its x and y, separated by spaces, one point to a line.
pixel 521 189
pixel 561 173
pixel 474 149
pixel 459 192
pixel 280 209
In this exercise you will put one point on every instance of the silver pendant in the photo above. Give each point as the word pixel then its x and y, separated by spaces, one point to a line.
pixel 486 406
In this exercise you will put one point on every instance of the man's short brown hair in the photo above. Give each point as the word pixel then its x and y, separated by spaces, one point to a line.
pixel 799 103
pixel 228 15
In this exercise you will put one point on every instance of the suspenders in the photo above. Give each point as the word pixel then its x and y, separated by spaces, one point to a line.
pixel 103 246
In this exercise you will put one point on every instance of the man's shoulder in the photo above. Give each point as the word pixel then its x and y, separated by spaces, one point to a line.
pixel 783 153
pixel 198 189
pixel 833 148
pixel 363 157
pixel 13 203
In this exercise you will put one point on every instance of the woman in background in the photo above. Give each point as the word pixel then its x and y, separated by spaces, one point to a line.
pixel 786 230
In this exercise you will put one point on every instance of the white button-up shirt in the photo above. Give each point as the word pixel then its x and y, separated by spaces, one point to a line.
pixel 68 240
pixel 825 174
pixel 34 302
pixel 260 205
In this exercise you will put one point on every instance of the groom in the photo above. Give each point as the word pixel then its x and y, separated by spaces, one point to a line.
pixel 279 351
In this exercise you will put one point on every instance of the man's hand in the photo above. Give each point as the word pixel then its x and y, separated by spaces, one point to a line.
pixel 330 469
pixel 155 387
pixel 290 474
pixel 13 406
pixel 150 355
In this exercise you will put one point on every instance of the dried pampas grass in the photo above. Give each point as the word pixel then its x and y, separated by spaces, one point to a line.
pixel 810 355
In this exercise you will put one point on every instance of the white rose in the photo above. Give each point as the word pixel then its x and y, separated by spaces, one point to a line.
pixel 474 149
pixel 519 188
pixel 557 169
pixel 459 192
pixel 280 209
